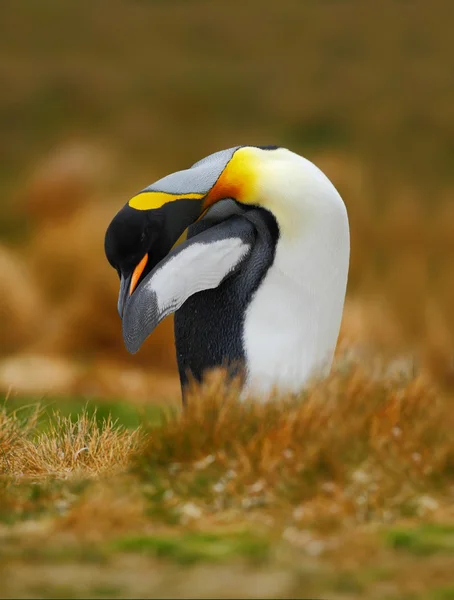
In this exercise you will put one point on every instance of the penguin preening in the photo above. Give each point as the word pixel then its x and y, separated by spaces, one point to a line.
pixel 250 249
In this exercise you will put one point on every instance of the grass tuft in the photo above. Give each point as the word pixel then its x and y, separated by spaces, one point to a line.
pixel 84 446
pixel 15 427
pixel 353 446
pixel 81 447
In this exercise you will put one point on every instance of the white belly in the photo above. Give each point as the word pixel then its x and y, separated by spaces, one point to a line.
pixel 292 323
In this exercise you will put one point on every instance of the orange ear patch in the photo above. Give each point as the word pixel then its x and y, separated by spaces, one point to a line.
pixel 225 187
pixel 236 181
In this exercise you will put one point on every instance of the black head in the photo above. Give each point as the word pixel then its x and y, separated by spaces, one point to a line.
pixel 146 229
pixel 128 239
pixel 137 240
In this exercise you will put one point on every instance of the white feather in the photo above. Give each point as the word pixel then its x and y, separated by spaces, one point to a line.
pixel 198 267
pixel 292 323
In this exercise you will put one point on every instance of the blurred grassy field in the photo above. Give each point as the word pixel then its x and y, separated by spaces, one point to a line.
pixel 343 492
pixel 353 499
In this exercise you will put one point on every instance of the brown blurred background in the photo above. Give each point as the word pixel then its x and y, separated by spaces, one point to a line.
pixel 100 98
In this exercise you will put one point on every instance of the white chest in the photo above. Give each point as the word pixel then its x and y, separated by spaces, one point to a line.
pixel 292 323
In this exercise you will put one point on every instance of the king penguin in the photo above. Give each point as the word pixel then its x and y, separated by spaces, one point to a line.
pixel 249 248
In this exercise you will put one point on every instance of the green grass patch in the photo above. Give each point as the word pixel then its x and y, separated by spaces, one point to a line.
pixel 193 547
pixel 124 413
pixel 424 540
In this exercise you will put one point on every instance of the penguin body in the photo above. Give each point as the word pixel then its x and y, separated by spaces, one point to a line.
pixel 209 326
pixel 250 249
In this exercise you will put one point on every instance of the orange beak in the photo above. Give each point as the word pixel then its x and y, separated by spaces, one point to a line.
pixel 137 273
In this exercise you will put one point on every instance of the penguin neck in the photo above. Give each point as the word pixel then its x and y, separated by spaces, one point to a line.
pixel 292 323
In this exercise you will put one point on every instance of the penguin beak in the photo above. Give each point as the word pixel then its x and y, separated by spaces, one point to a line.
pixel 125 284
pixel 129 283
pixel 137 274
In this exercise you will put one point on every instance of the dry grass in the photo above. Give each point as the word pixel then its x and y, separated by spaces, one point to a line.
pixel 106 510
pixel 80 447
pixel 337 490
pixel 365 446
pixel 382 435
pixel 15 427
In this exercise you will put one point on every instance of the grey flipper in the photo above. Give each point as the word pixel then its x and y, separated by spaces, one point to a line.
pixel 209 325
pixel 200 263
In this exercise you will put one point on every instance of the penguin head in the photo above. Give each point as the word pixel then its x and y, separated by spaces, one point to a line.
pixel 128 245
pixel 142 234
pixel 144 231
pixel 137 240
pixel 140 241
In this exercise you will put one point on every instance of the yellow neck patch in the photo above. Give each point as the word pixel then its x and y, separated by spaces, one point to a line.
pixel 150 199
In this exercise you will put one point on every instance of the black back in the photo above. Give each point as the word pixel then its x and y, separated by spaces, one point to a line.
pixel 209 325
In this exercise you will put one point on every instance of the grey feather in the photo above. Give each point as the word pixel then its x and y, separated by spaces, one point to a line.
pixel 200 263
pixel 199 179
